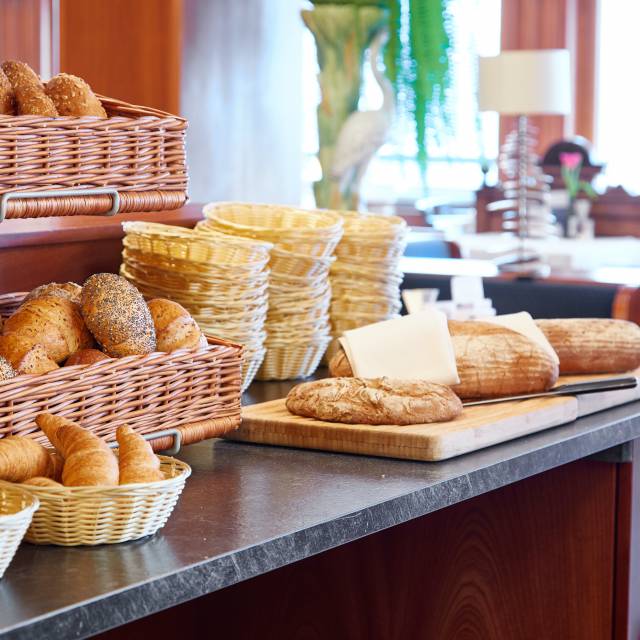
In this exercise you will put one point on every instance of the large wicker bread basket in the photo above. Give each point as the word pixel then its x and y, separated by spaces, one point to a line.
pixel 197 392
pixel 137 152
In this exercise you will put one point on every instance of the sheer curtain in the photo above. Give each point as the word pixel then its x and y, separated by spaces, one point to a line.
pixel 618 93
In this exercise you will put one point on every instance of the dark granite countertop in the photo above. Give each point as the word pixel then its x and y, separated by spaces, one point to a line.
pixel 249 509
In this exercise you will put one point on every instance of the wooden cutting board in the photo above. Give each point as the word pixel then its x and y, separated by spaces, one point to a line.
pixel 478 427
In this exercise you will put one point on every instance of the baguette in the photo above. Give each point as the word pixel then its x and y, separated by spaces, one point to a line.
pixel 375 401
pixel 492 361
pixel 593 345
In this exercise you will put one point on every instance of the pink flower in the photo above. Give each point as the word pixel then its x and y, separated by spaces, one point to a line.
pixel 571 160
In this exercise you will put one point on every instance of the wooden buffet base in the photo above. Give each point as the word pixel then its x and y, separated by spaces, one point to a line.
pixel 531 561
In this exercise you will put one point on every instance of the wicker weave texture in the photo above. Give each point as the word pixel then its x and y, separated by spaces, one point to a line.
pixel 195 391
pixel 17 507
pixel 72 516
pixel 138 151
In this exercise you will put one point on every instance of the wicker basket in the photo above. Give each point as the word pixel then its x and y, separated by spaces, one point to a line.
pixel 72 516
pixel 197 392
pixel 311 233
pixel 17 507
pixel 137 151
pixel 291 360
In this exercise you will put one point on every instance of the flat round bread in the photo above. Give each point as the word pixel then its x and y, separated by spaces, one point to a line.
pixel 374 401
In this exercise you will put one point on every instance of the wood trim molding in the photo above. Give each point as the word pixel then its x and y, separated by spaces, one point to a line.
pixel 556 24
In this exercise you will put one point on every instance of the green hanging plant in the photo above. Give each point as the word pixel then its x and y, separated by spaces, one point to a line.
pixel 417 61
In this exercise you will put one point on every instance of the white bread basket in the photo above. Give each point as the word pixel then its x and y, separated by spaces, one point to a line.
pixel 17 507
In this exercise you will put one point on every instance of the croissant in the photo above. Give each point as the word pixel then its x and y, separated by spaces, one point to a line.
pixel 40 481
pixel 23 458
pixel 57 465
pixel 88 461
pixel 137 463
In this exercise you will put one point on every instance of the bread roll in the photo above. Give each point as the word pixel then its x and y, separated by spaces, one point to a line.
pixel 25 356
pixel 118 316
pixel 88 461
pixel 86 356
pixel 6 370
pixel 30 97
pixel 175 328
pixel 593 345
pixel 69 290
pixel 492 361
pixel 7 104
pixel 72 96
pixel 375 401
pixel 53 322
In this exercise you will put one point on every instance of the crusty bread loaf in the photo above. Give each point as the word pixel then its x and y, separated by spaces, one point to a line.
pixel 339 365
pixel 175 328
pixel 69 290
pixel 492 361
pixel 86 356
pixel 593 345
pixel 25 356
pixel 117 315
pixel 374 401
pixel 53 322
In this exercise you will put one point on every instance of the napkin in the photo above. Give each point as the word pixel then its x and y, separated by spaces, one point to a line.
pixel 417 346
pixel 523 323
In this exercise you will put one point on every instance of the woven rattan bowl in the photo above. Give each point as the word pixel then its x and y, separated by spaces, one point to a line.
pixel 17 507
pixel 74 516
pixel 271 222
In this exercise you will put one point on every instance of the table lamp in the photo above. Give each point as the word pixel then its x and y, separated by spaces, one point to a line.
pixel 524 83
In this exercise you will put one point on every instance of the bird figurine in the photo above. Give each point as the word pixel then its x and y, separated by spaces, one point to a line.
pixel 363 132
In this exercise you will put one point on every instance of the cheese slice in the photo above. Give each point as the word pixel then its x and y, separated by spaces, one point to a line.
pixel 417 346
pixel 523 323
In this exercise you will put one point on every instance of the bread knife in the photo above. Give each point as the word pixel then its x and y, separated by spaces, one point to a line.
pixel 593 386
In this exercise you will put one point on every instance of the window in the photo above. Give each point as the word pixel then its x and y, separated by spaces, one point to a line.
pixel 618 95
pixel 455 160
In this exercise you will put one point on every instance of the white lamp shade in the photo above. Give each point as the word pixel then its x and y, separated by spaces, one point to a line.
pixel 526 82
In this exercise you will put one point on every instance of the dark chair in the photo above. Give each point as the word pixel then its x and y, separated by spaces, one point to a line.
pixel 432 248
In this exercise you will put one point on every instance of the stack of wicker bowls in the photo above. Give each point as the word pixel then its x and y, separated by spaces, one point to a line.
pixel 366 277
pixel 298 329
pixel 221 281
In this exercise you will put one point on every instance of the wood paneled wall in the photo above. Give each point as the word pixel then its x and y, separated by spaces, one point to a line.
pixel 26 33
pixel 556 24
pixel 125 49
pixel 241 92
